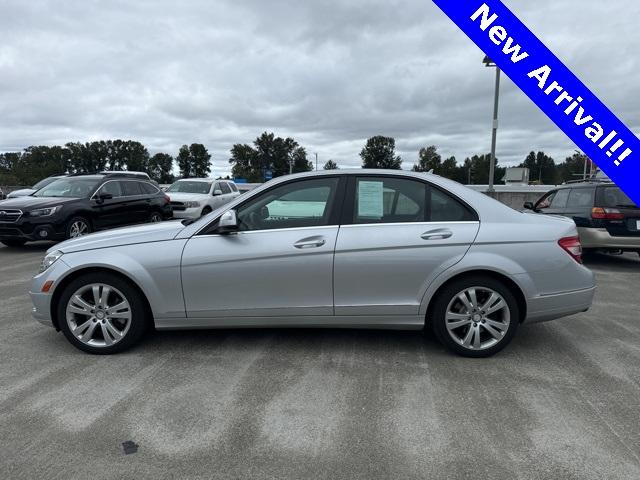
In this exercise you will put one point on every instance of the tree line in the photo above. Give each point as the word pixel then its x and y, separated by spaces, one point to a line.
pixel 267 156
pixel 379 152
pixel 37 162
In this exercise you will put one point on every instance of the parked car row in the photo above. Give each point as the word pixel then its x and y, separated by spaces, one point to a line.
pixel 607 219
pixel 69 206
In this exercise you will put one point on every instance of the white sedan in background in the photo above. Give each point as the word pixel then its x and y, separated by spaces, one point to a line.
pixel 195 197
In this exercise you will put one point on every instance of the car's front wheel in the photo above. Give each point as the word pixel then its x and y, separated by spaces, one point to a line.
pixel 475 316
pixel 155 217
pixel 78 227
pixel 101 313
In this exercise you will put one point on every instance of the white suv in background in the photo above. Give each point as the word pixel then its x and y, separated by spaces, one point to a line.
pixel 195 197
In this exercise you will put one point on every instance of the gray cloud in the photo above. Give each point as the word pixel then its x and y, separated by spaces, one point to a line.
pixel 328 73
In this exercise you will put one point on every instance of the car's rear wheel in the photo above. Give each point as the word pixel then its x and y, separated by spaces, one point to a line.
pixel 475 316
pixel 102 313
pixel 10 242
pixel 78 227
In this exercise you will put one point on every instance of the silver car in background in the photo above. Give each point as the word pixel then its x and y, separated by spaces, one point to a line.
pixel 356 249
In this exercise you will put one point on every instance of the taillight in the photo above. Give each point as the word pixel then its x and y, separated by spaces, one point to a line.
pixel 600 213
pixel 572 246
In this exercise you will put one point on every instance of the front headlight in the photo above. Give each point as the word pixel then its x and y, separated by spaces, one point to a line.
pixel 49 260
pixel 191 204
pixel 44 212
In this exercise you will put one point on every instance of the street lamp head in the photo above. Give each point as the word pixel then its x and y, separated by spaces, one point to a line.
pixel 488 62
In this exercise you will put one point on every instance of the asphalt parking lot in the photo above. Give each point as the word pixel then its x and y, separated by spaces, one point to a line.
pixel 563 401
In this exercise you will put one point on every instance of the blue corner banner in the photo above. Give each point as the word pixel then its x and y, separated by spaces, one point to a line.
pixel 552 87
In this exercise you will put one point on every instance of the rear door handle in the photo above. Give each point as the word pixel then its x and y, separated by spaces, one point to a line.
pixel 311 242
pixel 438 234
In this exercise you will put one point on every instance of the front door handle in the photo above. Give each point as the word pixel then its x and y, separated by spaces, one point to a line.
pixel 437 234
pixel 311 242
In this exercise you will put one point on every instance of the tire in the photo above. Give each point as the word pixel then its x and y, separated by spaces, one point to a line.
pixel 206 210
pixel 102 331
pixel 13 243
pixel 155 217
pixel 76 223
pixel 496 328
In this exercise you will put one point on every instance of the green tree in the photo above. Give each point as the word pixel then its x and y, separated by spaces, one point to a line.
pixel 476 170
pixel 330 165
pixel 449 169
pixel 194 161
pixel 428 159
pixel 276 154
pixel 380 152
pixel 160 168
pixel 87 157
pixel 573 167
pixel 137 156
pixel 542 168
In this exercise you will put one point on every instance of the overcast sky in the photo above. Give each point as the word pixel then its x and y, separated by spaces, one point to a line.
pixel 328 73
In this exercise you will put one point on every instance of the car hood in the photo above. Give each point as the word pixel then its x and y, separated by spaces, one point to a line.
pixel 187 197
pixel 29 202
pixel 21 193
pixel 147 233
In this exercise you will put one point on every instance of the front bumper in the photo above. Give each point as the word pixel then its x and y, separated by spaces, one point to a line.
pixel 191 213
pixel 600 238
pixel 41 310
pixel 33 229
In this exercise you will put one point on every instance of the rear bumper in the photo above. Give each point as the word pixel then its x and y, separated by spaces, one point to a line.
pixel 549 307
pixel 600 238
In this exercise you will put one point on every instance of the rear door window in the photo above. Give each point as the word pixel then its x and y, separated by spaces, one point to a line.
pixel 580 198
pixel 402 200
pixel 233 187
pixel 224 186
pixel 148 189
pixel 130 188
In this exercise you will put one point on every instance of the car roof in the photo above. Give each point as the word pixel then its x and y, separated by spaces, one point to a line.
pixel 196 180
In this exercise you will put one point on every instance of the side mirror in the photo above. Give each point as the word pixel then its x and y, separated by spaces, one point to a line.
pixel 217 192
pixel 528 205
pixel 104 196
pixel 228 222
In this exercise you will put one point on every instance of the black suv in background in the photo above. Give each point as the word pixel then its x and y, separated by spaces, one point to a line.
pixel 79 204
pixel 607 219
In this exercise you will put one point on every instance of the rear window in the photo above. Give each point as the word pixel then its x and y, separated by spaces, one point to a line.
pixel 613 197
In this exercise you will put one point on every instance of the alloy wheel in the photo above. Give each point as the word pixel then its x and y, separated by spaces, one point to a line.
pixel 78 229
pixel 98 315
pixel 477 318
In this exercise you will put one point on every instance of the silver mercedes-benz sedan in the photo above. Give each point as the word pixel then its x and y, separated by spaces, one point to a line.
pixel 354 249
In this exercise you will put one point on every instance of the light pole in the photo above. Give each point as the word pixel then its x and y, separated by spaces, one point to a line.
pixel 316 161
pixel 494 131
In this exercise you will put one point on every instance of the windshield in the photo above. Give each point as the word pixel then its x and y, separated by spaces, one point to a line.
pixel 614 197
pixel 69 187
pixel 185 186
pixel 44 183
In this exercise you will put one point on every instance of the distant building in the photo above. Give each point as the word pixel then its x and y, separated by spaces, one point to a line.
pixel 516 176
